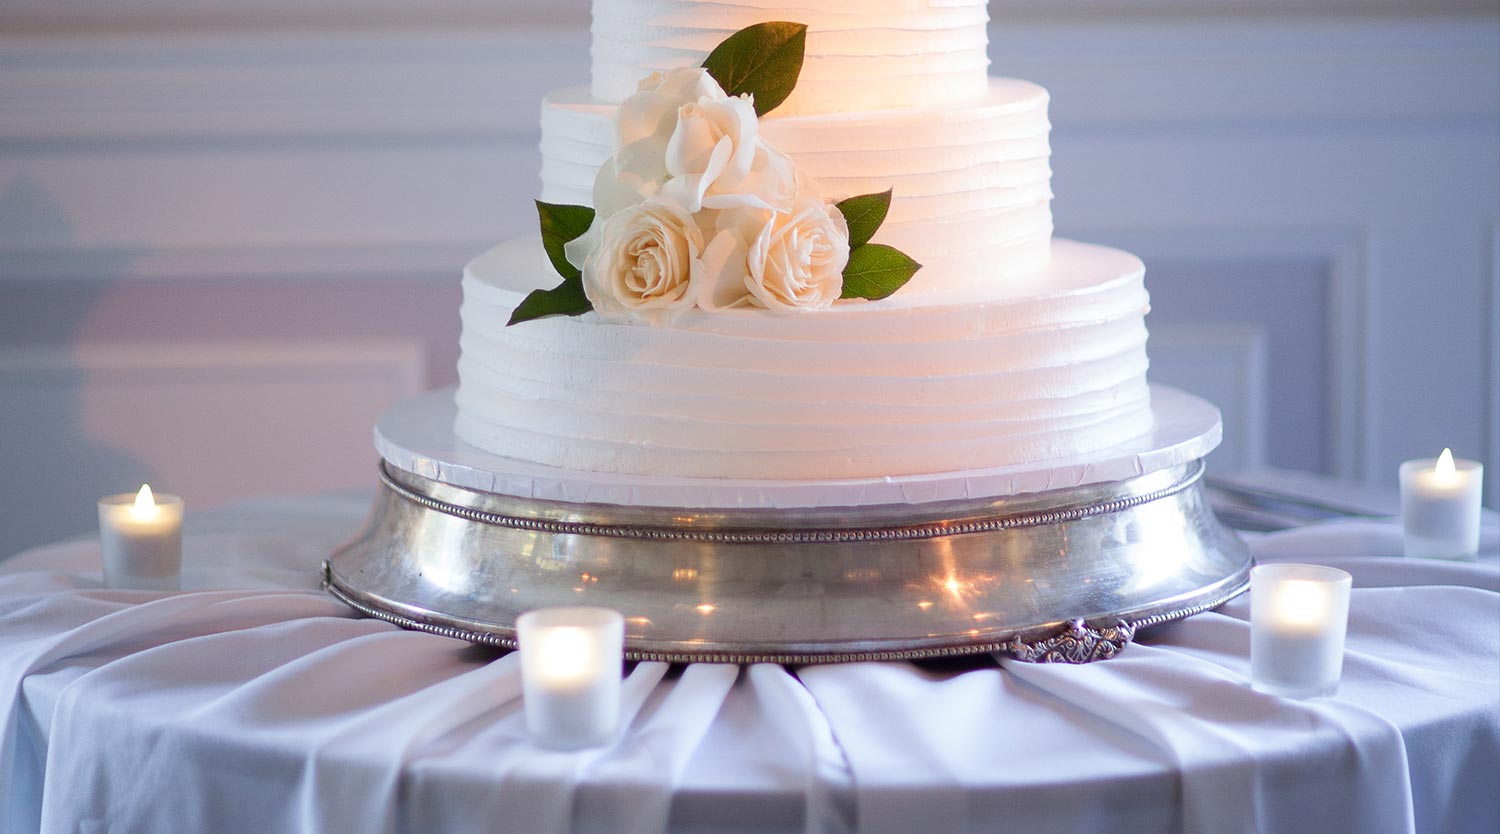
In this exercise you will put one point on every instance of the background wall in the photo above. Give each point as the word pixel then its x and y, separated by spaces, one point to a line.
pixel 230 232
pixel 53 16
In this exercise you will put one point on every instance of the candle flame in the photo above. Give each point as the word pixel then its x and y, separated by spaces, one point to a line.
pixel 1444 467
pixel 1301 603
pixel 568 655
pixel 145 504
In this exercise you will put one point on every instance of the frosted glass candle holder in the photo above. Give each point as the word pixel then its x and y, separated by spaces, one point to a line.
pixel 1298 617
pixel 571 662
pixel 140 538
pixel 1440 507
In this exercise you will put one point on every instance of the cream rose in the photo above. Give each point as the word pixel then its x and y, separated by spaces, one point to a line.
pixel 797 260
pixel 647 263
pixel 644 126
pixel 716 159
pixel 652 112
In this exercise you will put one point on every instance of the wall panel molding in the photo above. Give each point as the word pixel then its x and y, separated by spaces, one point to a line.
pixel 1226 364
pixel 213 421
pixel 372 261
pixel 1351 326
pixel 265 87
pixel 1492 361
pixel 129 363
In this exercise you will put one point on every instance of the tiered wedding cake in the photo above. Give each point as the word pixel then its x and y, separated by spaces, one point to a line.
pixel 816 384
pixel 1005 347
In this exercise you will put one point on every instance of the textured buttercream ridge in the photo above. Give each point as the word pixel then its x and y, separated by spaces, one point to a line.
pixel 827 464
pixel 809 403
pixel 848 15
pixel 1118 323
pixel 635 380
pixel 844 361
pixel 590 378
pixel 762 394
pixel 1090 273
pixel 876 54
pixel 911 329
pixel 1009 109
pixel 582 425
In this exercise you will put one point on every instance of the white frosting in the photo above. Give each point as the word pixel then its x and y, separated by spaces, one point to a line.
pixel 1049 366
pixel 864 55
pixel 972 183
pixel 1007 348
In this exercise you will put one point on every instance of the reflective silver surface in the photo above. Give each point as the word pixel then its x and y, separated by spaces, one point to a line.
pixel 1064 575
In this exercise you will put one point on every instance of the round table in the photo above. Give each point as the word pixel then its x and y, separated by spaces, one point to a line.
pixel 253 702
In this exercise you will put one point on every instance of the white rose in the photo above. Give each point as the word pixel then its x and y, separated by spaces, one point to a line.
pixel 716 159
pixel 797 260
pixel 726 257
pixel 651 113
pixel 647 262
pixel 644 124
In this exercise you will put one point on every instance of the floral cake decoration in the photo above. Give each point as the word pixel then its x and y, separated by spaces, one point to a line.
pixel 695 209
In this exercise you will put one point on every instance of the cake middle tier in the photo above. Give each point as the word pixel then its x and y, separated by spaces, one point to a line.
pixel 972 184
pixel 1050 367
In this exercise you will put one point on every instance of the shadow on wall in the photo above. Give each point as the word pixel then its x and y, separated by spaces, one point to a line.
pixel 54 472
pixel 245 377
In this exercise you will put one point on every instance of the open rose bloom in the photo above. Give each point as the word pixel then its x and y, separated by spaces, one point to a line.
pixel 695 209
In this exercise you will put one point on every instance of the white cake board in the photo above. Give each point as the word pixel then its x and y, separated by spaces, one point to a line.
pixel 416 436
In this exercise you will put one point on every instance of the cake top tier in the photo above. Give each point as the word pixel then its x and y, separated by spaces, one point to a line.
pixel 861 54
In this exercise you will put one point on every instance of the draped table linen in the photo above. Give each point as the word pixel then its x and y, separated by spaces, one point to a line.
pixel 253 702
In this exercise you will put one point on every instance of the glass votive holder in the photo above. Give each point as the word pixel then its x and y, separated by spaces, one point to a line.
pixel 571 661
pixel 140 539
pixel 1298 617
pixel 1440 507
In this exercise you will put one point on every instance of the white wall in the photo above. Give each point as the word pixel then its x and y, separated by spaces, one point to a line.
pixel 57 16
pixel 223 252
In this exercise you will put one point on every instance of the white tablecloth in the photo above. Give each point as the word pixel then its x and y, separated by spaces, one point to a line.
pixel 252 702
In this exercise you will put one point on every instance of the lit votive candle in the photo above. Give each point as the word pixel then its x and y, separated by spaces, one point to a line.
pixel 570 675
pixel 140 535
pixel 1298 616
pixel 1440 502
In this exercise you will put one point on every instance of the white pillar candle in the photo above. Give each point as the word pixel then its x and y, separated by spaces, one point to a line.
pixel 570 675
pixel 140 536
pixel 1440 503
pixel 1298 616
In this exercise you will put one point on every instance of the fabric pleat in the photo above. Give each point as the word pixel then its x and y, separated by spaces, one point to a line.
pixel 252 702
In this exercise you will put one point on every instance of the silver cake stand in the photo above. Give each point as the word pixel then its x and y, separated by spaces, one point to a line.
pixel 1057 562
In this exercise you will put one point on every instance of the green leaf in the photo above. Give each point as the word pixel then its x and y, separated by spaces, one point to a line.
pixel 876 270
pixel 561 224
pixel 565 299
pixel 763 60
pixel 864 214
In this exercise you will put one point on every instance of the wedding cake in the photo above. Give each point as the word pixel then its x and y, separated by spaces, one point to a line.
pixel 800 241
pixel 794 370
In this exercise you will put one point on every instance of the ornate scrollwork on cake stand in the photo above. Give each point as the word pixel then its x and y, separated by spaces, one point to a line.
pixel 1078 642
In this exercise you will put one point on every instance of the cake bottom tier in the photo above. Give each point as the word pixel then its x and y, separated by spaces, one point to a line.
pixel 1041 367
